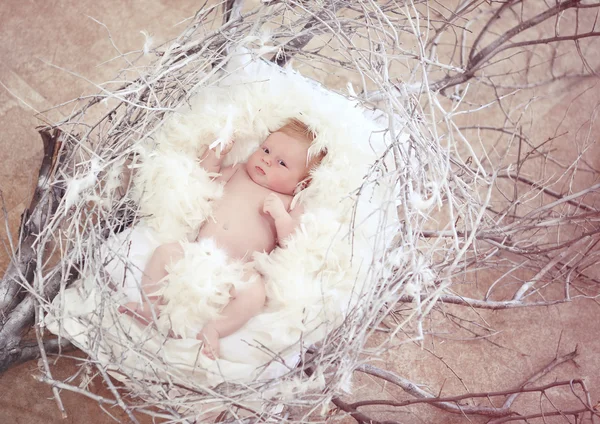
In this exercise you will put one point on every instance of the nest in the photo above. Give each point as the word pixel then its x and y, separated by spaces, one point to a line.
pixel 453 220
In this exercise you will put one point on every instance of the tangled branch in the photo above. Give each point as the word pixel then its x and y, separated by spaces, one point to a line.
pixel 466 211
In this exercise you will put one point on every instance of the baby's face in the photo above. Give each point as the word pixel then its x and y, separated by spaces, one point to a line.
pixel 280 162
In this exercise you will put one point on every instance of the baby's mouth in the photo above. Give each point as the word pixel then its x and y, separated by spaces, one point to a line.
pixel 260 170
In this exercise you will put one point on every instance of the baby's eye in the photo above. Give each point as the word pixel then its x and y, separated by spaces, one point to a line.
pixel 265 149
pixel 282 163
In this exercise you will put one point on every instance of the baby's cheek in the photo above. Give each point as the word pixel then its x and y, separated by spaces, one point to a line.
pixel 282 183
pixel 277 185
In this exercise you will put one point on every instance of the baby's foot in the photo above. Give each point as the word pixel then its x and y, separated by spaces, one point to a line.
pixel 142 312
pixel 210 337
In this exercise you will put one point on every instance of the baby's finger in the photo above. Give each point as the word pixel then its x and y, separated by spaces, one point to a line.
pixel 267 206
pixel 270 199
pixel 207 352
pixel 277 201
pixel 227 147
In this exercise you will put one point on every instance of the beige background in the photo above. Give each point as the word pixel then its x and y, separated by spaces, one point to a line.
pixel 37 38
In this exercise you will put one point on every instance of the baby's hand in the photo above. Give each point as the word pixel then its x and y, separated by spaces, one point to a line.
pixel 221 149
pixel 274 206
pixel 226 148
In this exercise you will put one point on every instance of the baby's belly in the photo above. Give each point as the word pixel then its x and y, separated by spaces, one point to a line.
pixel 240 239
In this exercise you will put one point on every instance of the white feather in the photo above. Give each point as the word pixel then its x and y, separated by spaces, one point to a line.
pixel 350 89
pixel 77 185
pixel 148 41
pixel 226 134
pixel 419 203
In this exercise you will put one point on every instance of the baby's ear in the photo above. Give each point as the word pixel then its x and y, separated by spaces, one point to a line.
pixel 302 185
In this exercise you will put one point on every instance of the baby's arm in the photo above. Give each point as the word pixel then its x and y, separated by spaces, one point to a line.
pixel 285 223
pixel 247 303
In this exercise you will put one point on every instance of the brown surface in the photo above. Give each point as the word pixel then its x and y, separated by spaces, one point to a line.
pixel 36 39
pixel 34 34
pixel 24 400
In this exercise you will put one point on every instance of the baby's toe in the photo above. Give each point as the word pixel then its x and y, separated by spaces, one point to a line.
pixel 207 352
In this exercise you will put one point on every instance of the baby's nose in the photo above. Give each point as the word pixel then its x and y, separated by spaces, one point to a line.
pixel 267 160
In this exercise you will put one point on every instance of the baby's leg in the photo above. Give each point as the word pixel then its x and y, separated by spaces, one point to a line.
pixel 153 280
pixel 245 303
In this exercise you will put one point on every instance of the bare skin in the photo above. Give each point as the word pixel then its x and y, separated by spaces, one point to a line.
pixel 252 216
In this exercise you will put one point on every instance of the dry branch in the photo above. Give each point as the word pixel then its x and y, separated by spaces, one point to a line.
pixel 499 219
pixel 17 305
pixel 479 58
pixel 452 403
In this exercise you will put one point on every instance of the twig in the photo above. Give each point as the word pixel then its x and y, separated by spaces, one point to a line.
pixel 30 351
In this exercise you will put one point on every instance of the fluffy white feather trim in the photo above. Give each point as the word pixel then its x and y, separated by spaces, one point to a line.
pixel 197 288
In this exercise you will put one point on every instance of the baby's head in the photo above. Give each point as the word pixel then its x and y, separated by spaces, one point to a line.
pixel 282 163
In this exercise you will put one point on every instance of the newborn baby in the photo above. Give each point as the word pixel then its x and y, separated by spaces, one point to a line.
pixel 252 216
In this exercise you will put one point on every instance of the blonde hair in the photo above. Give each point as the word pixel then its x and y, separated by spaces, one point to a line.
pixel 296 127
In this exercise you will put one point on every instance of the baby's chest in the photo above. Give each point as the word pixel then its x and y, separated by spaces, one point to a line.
pixel 241 200
pixel 238 222
pixel 240 210
pixel 242 196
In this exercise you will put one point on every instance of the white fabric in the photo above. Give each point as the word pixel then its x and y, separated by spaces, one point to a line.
pixel 311 282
